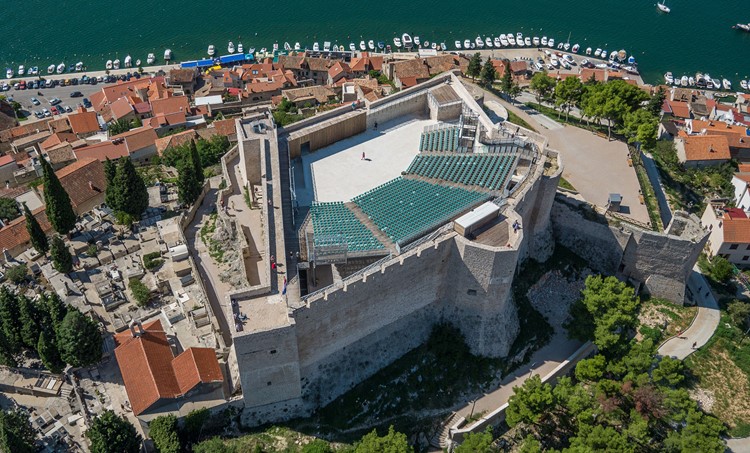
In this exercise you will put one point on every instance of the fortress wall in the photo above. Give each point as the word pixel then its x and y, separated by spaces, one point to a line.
pixel 321 137
pixel 415 104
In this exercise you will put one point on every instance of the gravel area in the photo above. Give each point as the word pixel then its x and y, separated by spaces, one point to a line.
pixel 705 398
pixel 553 295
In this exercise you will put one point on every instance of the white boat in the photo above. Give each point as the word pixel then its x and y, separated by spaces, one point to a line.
pixel 352 47
pixel 362 45
pixel 668 78
pixel 151 58
pixel 371 44
pixel 684 81
pixel 297 47
pixel 691 81
pixel 551 42
pixel 633 70
pixel 726 84
pixel 584 62
pixel 168 54
pixel 116 64
pixel 717 83
pixel 128 61
pixel 407 41
pixel 544 40
pixel 569 58
pixel 287 46
pixel 457 44
pixel 601 66
pixel 316 47
pixel 743 84
pixel 554 61
pixel 663 8
pixel 536 41
pixel 396 41
pixel 275 46
pixel 61 68
pixel 519 37
pixel 211 50
pixel 417 41
pixel 21 70
pixel 433 46
pixel 263 51
pixel 137 63
pixel 381 45
pixel 479 42
pixel 9 73
pixel 560 46
pixel 467 44
pixel 612 56
pixel 326 46
pixel 230 47
pixel 566 46
pixel 79 66
pixel 575 48
pixel 603 54
pixel 497 42
pixel 336 48
pixel 527 41
pixel 240 48
pixel 443 46
pixel 34 70
pixel 251 50
pixel 511 40
pixel 588 51
pixel 488 42
pixel 504 40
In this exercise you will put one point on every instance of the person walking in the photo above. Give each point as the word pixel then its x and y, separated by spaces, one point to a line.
pixel 363 155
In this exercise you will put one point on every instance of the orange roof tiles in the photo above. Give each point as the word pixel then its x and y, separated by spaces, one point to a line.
pixel 83 122
pixel 138 138
pixel 679 109
pixel 14 234
pixel 103 151
pixel 170 105
pixel 120 108
pixel 194 366
pixel 174 140
pixel 706 147
pixel 225 127
pixel 6 159
pixel 736 230
pixel 83 180
pixel 57 138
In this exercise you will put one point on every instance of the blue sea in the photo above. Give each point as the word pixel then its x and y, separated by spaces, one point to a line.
pixel 696 36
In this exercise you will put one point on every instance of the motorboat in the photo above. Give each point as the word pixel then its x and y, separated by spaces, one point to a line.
pixel 566 46
pixel 240 48
pixel 251 50
pixel 467 44
pixel 79 66
pixel 497 42
pixel 287 46
pixel 743 84
pixel 316 47
pixel 603 54
pixel 691 81
pixel 588 51
pixel 554 61
pixel 71 68
pixel 34 70
pixel 717 83
pixel 612 56
pixel 544 40
pixel 407 41
pixel 397 41
pixel 116 64
pixel 417 41
pixel 551 42
pixel 151 58
pixel 743 27
pixel 663 8
pixel 479 42
pixel 362 45
pixel 263 51
pixel 527 41
pixel 138 63
pixel 622 56
pixel 726 84
pixel 457 44
pixel 433 46
pixel 61 68
pixel 388 48
pixel 511 40
pixel 371 44
pixel 9 73
pixel 21 70
pixel 426 44
pixel 381 45
pixel 519 38
pixel 631 60
pixel 536 41
pixel 128 61
pixel 211 50
pixel 488 42
pixel 352 47
pixel 575 48
pixel 168 54
pixel 443 46
pixel 560 46
pixel 336 48
pixel 230 47
pixel 634 70
pixel 275 47
pixel 297 47
pixel 504 40
pixel 684 81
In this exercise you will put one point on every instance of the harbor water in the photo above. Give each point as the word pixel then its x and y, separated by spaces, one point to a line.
pixel 695 37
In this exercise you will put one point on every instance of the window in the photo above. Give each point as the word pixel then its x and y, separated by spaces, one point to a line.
pixel 733 246
pixel 472 292
pixel 745 258
pixel 747 247
pixel 269 383
pixel 273 351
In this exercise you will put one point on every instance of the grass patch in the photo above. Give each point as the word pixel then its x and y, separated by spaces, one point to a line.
pixel 248 200
pixel 517 120
pixel 274 438
pixel 565 184
pixel 215 248
pixel 662 319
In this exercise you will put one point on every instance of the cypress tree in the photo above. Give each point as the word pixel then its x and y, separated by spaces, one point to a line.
pixel 9 319
pixel 475 66
pixel 489 73
pixel 188 186
pixel 38 238
pixel 62 260
pixel 16 432
pixel 59 210
pixel 110 170
pixel 79 340
pixel 54 310
pixel 196 160
pixel 507 82
pixel 48 352
pixel 28 318
pixel 129 193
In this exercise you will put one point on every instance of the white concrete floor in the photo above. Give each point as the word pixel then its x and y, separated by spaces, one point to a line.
pixel 339 171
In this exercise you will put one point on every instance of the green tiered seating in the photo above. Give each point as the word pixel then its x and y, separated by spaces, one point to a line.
pixel 334 219
pixel 486 170
pixel 404 209
pixel 445 139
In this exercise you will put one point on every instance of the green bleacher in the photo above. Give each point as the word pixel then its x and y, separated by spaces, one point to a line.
pixel 489 171
pixel 445 139
pixel 334 220
pixel 406 208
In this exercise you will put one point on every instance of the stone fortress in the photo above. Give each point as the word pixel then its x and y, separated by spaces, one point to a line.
pixel 381 219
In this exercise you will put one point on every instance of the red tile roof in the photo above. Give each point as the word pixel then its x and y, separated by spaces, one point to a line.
pixel 150 371
pixel 14 234
pixel 103 151
pixel 83 122
pixel 679 109
pixel 706 147
pixel 6 159
pixel 736 229
pixel 83 180
pixel 174 140
pixel 170 105
pixel 138 138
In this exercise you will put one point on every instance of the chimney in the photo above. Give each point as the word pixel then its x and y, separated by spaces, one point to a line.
pixel 140 332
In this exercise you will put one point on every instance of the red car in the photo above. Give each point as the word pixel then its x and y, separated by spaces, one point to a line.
pixel 54 110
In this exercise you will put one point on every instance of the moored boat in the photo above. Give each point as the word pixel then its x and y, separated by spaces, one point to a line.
pixel 21 70
pixel 138 63
pixel 663 8
pixel 381 45
pixel 527 41
pixel 717 83
pixel 684 81
pixel 151 58
pixel 743 84
pixel 407 41
pixel 598 52
pixel 479 42
pixel 240 48
pixel 743 27
pixel 497 42
pixel 326 46
pixel 297 47
pixel 575 48
pixel 551 42
pixel 511 40
pixel 536 40
pixel 371 44
pixel 79 66
pixel 352 47
pixel 488 42
pixel 588 51
pixel 726 84
pixel 168 54
pixel 566 46
pixel 230 47
pixel 316 47
pixel 362 45
pixel 457 44
pixel 417 41
pixel 504 40
pixel 396 41
pixel 544 41
pixel 61 68
pixel 116 64
pixel 211 50
pixel 128 61
pixel 467 44
pixel 9 73
pixel 287 46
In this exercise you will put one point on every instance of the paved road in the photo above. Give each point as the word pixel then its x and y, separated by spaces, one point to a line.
pixel 704 324
pixel 739 445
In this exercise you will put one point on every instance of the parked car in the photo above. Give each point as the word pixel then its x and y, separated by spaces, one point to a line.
pixel 54 110
pixel 86 103
pixel 76 94
pixel 46 112
pixel 35 101
pixel 68 109
pixel 39 114
pixel 54 101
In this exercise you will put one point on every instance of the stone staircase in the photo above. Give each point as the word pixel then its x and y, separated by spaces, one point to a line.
pixel 441 437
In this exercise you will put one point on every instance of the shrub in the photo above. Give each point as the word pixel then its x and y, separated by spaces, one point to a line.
pixel 152 260
pixel 140 291
pixel 17 274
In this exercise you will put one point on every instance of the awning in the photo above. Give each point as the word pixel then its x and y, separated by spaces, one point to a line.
pixel 234 58
pixel 205 63
pixel 189 64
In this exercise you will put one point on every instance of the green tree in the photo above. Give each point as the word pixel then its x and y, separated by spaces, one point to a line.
pixel 669 372
pixel 506 83
pixel 110 433
pixel 599 438
pixel 393 442
pixel 16 433
pixel 568 94
pixel 110 170
pixel 140 291
pixel 592 369
pixel 477 442
pixel 79 340
pixel 59 210
pixel 488 74
pixel 8 209
pixel 17 274
pixel 530 402
pixel 28 318
pixel 721 269
pixel 9 315
pixel 196 161
pixel 642 127
pixel 62 260
pixel 119 126
pixel 475 66
pixel 163 430
pixel 36 233
pixel 54 309
pixel 515 90
pixel 188 184
pixel 738 312
pixel 542 85
pixel 702 433
pixel 129 192
pixel 317 446
pixel 195 420
pixel 48 352
pixel 213 445
pixel 655 103
pixel 530 445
